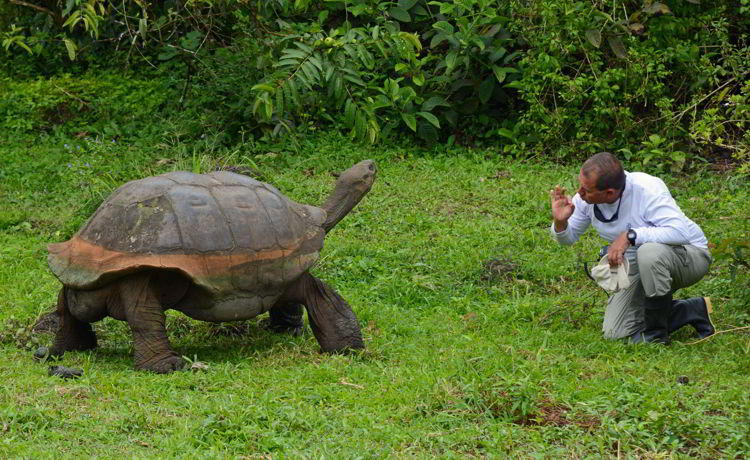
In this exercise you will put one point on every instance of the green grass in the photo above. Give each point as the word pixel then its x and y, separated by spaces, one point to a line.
pixel 482 334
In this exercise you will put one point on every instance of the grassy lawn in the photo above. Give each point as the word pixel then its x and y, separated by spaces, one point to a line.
pixel 482 334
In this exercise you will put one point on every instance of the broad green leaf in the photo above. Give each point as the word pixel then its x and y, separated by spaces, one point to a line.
pixel 437 39
pixel 329 73
pixel 287 63
pixel 501 72
pixel 595 37
pixel 71 47
pixel 410 120
pixel 419 11
pixel 492 31
pixel 411 38
pixel 72 20
pixel 400 14
pixel 351 52
pixel 380 102
pixel 433 102
pixel 350 110
pixel 468 5
pixel 304 47
pixel 69 4
pixel 381 48
pixel 406 4
pixel 24 46
pixel 432 119
pixel 354 79
pixel 367 59
pixel 450 59
pixel 359 9
pixel 478 42
pixel 361 124
pixel 291 53
pixel 444 27
pixel 262 87
pixel 497 54
pixel 485 89
pixel 314 60
pixel 506 133
pixel 446 9
pixel 418 79
pixel 373 130
pixel 617 46
pixel 269 109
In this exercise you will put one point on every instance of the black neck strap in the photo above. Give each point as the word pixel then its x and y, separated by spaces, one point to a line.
pixel 600 217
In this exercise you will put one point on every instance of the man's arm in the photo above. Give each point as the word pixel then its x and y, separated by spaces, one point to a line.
pixel 669 223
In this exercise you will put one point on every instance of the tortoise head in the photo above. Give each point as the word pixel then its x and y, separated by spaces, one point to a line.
pixel 351 186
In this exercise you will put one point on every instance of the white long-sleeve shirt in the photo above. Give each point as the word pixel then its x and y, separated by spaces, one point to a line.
pixel 647 207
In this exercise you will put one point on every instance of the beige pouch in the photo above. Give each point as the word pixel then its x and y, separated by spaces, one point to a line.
pixel 611 279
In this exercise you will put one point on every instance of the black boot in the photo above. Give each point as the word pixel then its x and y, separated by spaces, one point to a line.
pixel 287 319
pixel 695 311
pixel 657 312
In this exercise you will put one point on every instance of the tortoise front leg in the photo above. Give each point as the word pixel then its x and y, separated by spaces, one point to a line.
pixel 147 321
pixel 332 320
pixel 72 334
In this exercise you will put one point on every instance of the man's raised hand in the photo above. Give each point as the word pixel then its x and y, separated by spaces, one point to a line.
pixel 562 207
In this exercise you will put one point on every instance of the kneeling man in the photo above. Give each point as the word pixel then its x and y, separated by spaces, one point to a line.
pixel 647 232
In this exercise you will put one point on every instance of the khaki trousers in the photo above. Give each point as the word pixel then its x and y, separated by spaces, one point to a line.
pixel 655 270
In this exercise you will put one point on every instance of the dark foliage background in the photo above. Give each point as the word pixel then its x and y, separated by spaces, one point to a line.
pixel 661 83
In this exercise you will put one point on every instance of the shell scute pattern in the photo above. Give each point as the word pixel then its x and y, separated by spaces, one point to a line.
pixel 224 230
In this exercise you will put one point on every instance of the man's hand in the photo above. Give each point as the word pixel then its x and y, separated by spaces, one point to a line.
pixel 617 249
pixel 562 208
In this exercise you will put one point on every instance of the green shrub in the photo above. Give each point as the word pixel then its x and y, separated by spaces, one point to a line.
pixel 643 74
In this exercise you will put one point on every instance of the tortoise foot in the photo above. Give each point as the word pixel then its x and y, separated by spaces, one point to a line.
pixel 293 330
pixel 162 364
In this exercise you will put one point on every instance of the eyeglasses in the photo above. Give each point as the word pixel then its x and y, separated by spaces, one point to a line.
pixel 598 214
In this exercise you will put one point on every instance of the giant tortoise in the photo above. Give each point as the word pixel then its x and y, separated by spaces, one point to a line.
pixel 217 247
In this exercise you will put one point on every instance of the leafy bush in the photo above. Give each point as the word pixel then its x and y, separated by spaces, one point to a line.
pixel 661 84
pixel 639 74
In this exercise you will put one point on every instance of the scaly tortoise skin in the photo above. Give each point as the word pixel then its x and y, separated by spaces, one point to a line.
pixel 217 247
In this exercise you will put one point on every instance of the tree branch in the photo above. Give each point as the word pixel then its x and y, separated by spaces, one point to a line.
pixel 44 10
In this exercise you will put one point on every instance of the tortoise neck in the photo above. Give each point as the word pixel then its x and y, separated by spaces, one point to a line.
pixel 339 204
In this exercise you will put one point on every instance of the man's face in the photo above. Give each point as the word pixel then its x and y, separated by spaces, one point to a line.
pixel 589 192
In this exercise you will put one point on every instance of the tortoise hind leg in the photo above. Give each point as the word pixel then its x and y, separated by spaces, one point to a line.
pixel 331 318
pixel 145 315
pixel 72 333
pixel 287 318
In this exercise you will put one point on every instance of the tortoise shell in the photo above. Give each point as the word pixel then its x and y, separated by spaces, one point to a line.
pixel 225 231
